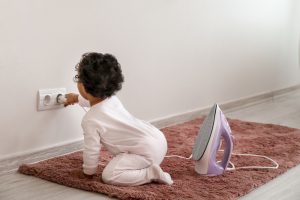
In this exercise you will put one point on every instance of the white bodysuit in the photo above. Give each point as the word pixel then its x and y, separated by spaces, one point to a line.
pixel 138 147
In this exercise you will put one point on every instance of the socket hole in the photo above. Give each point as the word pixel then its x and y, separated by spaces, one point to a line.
pixel 47 100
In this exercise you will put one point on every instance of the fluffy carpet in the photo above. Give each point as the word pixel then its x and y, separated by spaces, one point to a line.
pixel 278 142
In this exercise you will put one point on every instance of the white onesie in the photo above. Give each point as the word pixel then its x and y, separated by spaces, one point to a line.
pixel 138 147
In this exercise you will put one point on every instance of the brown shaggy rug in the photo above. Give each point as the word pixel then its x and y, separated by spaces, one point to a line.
pixel 278 142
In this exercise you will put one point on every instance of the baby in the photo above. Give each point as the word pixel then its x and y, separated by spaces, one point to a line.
pixel 137 146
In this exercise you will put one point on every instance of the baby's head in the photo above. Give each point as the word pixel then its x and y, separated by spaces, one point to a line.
pixel 100 74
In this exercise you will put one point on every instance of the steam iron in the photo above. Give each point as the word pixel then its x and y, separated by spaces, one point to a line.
pixel 215 126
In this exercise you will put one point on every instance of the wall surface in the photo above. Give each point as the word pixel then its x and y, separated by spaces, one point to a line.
pixel 296 30
pixel 176 55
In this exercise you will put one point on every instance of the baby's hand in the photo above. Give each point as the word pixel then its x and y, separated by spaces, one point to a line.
pixel 71 99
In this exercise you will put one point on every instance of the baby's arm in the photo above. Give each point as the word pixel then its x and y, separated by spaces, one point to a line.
pixel 72 98
pixel 92 147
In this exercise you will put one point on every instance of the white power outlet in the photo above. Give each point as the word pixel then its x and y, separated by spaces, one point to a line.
pixel 47 98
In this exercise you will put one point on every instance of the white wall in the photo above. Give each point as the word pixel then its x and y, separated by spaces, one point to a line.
pixel 177 55
pixel 296 30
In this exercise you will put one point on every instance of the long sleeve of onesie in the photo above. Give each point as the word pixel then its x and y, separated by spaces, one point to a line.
pixel 92 147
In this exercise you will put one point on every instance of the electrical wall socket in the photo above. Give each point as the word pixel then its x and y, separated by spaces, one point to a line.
pixel 47 98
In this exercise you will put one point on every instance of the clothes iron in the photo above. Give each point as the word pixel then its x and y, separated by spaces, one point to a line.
pixel 214 128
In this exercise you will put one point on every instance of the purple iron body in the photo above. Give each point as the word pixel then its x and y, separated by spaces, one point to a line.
pixel 215 126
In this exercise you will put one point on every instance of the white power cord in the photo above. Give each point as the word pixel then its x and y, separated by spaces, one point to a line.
pixel 172 156
pixel 276 165
pixel 84 109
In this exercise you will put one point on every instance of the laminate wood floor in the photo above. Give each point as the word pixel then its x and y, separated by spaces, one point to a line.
pixel 283 110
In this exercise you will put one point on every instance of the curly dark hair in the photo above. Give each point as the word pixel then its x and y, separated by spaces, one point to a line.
pixel 100 74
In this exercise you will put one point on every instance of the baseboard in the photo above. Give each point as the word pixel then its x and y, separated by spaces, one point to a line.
pixel 11 164
pixel 226 107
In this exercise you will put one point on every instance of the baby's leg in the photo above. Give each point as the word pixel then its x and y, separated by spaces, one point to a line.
pixel 130 169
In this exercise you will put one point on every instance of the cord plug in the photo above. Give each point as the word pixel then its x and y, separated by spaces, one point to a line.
pixel 61 99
